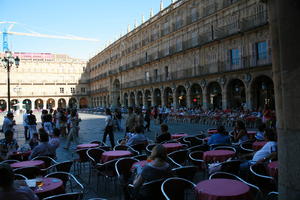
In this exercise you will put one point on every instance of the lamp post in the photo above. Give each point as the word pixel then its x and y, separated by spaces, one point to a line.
pixel 8 61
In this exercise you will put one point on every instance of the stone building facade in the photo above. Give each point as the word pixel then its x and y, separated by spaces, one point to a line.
pixel 45 80
pixel 209 53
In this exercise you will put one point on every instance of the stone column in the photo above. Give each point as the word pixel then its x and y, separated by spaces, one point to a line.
pixel 224 98
pixel 248 96
pixel 204 99
pixel 188 97
pixel 175 100
pixel 153 99
pixel 285 30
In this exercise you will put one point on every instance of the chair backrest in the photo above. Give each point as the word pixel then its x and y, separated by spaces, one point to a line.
pixel 259 177
pixel 179 156
pixel 175 189
pixel 29 172
pixel 123 167
pixel 108 168
pixel 152 190
pixel 149 148
pixel 69 196
pixel 231 166
pixel 9 161
pixel 97 199
pixel 186 172
pixel 193 140
pixel 246 147
pixel 98 142
pixel 82 155
pixel 121 147
pixel 105 148
pixel 272 196
pixel 140 147
pixel 140 157
pixel 224 148
pixel 20 177
pixel 65 177
pixel 95 154
pixel 64 166
pixel 213 146
pixel 196 158
pixel 47 160
pixel 201 147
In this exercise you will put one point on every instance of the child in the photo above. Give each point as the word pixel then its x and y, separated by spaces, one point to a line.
pixel 34 141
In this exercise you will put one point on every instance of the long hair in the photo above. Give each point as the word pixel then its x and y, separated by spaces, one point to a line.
pixel 159 151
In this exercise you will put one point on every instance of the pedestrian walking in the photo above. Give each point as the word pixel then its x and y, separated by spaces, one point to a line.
pixel 31 123
pixel 109 129
pixel 25 125
pixel 74 129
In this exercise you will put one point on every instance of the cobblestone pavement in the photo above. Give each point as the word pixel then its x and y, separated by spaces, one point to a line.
pixel 91 128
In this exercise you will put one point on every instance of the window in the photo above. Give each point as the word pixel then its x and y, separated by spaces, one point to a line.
pixel 235 56
pixel 82 90
pixel 262 50
pixel 166 71
pixel 147 76
pixel 155 74
pixel 61 90
pixel 194 39
pixel 178 45
pixel 73 90
pixel 194 14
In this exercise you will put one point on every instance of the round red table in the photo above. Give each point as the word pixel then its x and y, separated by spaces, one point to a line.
pixel 141 163
pixel 217 155
pixel 170 147
pixel 212 131
pixel 52 186
pixel 258 145
pixel 86 146
pixel 177 136
pixel 223 189
pixel 110 155
pixel 29 163
pixel 273 168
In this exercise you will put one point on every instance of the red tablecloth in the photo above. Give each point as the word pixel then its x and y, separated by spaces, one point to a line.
pixel 217 155
pixel 177 136
pixel 52 186
pixel 142 163
pixel 86 146
pixel 206 139
pixel 212 131
pixel 29 163
pixel 273 168
pixel 110 155
pixel 251 132
pixel 223 189
pixel 258 145
pixel 170 147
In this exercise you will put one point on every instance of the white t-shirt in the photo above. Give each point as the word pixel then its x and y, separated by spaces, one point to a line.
pixel 265 151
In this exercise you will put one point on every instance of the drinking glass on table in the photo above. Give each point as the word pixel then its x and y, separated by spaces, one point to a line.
pixel 39 183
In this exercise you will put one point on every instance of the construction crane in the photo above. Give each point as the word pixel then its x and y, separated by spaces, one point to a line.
pixel 7 31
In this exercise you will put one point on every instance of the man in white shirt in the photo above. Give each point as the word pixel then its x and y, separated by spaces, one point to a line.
pixel 267 152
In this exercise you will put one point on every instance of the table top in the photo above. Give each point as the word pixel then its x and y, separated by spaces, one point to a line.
pixel 116 153
pixel 218 155
pixel 178 135
pixel 172 145
pixel 251 132
pixel 214 189
pixel 84 146
pixel 212 131
pixel 50 184
pixel 29 163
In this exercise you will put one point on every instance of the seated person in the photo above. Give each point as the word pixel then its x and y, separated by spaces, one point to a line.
pixel 137 138
pixel 157 169
pixel 12 190
pixel 44 148
pixel 165 135
pixel 34 141
pixel 260 133
pixel 55 141
pixel 8 145
pixel 221 137
pixel 267 152
pixel 240 132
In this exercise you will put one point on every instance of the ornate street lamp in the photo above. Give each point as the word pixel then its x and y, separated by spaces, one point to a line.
pixel 8 61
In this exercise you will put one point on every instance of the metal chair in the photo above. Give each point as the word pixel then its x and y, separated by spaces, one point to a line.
pixel 193 140
pixel 149 148
pixel 82 158
pixel 94 156
pixel 179 156
pixel 121 147
pixel 20 177
pixel 106 170
pixel 230 148
pixel 149 191
pixel 140 157
pixel 29 172
pixel 186 172
pixel 47 160
pixel 202 147
pixel 178 189
pixel 9 161
pixel 259 176
pixel 272 196
pixel 69 196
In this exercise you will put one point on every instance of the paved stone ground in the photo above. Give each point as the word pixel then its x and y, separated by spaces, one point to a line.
pixel 91 128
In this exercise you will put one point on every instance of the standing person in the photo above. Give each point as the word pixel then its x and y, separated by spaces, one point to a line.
pixel 118 117
pixel 48 126
pixel 109 130
pixel 148 119
pixel 74 129
pixel 25 124
pixel 130 121
pixel 139 119
pixel 31 123
pixel 62 122
pixel 8 122
pixel 44 113
pixel 164 135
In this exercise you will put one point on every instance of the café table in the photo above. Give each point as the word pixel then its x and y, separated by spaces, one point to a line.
pixel 212 131
pixel 272 169
pixel 86 146
pixel 51 186
pixel 29 163
pixel 110 155
pixel 257 145
pixel 217 155
pixel 170 147
pixel 179 135
pixel 223 189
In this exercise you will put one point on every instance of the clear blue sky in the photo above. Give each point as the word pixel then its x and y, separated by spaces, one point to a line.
pixel 100 19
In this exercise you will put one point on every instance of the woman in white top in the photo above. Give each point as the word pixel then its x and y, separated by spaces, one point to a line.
pixel 109 129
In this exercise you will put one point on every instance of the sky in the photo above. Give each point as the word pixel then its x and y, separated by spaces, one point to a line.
pixel 99 19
